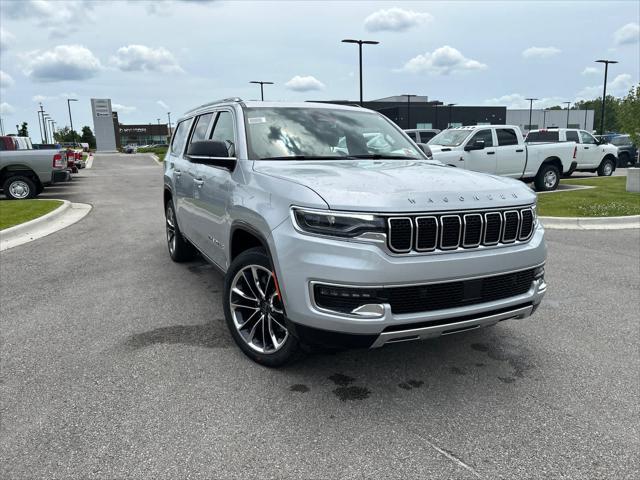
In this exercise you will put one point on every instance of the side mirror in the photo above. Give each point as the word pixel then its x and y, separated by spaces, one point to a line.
pixel 477 145
pixel 211 152
pixel 425 148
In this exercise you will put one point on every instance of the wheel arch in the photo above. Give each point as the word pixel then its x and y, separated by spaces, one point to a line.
pixel 553 161
pixel 244 236
pixel 13 170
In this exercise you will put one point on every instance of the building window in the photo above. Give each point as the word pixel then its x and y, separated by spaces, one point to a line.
pixel 424 125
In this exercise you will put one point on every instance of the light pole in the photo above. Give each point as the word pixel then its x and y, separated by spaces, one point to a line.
pixel 585 117
pixel 169 117
pixel 544 118
pixel 408 108
pixel 261 87
pixel 568 104
pixel 43 125
pixel 39 127
pixel 360 43
pixel 531 100
pixel 45 116
pixel 604 92
pixel 2 127
pixel 436 119
pixel 69 100
pixel 450 105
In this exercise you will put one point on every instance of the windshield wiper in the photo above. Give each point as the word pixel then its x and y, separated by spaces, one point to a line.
pixel 377 156
pixel 304 157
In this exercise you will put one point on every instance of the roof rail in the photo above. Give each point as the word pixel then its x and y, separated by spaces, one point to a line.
pixel 215 102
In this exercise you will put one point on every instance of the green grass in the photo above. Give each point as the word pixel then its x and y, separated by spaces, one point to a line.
pixel 14 212
pixel 159 151
pixel 609 198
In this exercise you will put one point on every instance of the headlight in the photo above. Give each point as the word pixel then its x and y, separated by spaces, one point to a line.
pixel 534 209
pixel 337 224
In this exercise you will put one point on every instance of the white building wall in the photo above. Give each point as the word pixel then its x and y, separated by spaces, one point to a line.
pixel 551 118
pixel 103 124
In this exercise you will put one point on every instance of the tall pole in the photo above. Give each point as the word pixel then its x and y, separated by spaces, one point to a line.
pixel 39 127
pixel 436 119
pixel 544 118
pixel 531 100
pixel 46 140
pixel 604 91
pixel 46 128
pixel 1 127
pixel 69 100
pixel 585 117
pixel 169 117
pixel 262 84
pixel 568 110
pixel 360 43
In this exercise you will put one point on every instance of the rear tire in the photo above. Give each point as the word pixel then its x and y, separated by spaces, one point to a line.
pixel 254 311
pixel 180 250
pixel 606 168
pixel 18 187
pixel 624 160
pixel 547 178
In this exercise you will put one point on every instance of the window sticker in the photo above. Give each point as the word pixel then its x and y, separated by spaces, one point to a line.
pixel 253 120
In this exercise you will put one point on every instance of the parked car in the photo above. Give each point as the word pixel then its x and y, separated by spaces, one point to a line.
pixel 422 135
pixel 25 173
pixel 362 247
pixel 130 149
pixel 500 150
pixel 592 155
pixel 627 151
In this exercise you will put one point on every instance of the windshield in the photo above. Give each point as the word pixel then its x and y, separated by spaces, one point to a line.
pixel 450 137
pixel 620 141
pixel 298 133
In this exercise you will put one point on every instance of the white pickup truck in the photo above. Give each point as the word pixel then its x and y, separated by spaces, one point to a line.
pixel 591 156
pixel 500 150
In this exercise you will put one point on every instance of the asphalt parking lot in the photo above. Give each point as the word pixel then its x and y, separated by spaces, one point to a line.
pixel 116 363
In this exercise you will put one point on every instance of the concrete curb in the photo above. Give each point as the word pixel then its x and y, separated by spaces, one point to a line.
pixel 156 158
pixel 65 215
pixel 89 161
pixel 591 223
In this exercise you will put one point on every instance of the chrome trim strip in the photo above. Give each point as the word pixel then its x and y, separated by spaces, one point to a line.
pixel 435 243
pixel 464 231
pixel 486 222
pixel 452 247
pixel 450 328
pixel 504 230
pixel 390 235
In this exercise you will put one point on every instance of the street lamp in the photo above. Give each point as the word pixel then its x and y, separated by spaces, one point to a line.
pixel 450 105
pixel 43 126
pixel 604 92
pixel 45 117
pixel 568 110
pixel 360 43
pixel 169 117
pixel 261 87
pixel 531 100
pixel 39 127
pixel 408 108
pixel 544 118
pixel 69 100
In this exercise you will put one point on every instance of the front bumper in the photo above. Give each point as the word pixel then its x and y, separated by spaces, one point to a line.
pixel 300 260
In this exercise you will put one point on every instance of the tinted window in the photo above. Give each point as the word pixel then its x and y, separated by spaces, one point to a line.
pixel 202 125
pixel 543 136
pixel 426 136
pixel 587 138
pixel 506 136
pixel 179 137
pixel 223 131
pixel 620 141
pixel 572 136
pixel 484 135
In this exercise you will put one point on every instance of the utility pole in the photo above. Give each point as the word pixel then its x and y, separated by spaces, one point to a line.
pixel 360 43
pixel 169 117
pixel 568 110
pixel 69 100
pixel 604 92
pixel 531 100
pixel 39 126
pixel 46 140
pixel 1 127
pixel 262 84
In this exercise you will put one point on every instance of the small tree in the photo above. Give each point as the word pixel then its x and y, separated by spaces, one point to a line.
pixel 88 137
pixel 23 131
pixel 630 114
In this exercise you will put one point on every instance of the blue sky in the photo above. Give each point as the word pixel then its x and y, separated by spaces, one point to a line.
pixel 150 57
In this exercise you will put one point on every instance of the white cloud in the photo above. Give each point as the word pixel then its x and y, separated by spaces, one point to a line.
pixel 134 58
pixel 56 17
pixel 6 39
pixel 627 34
pixel 442 61
pixel 304 84
pixel 590 71
pixel 123 108
pixel 61 96
pixel 540 52
pixel 64 62
pixel 6 109
pixel 618 87
pixel 163 105
pixel 5 80
pixel 516 100
pixel 395 20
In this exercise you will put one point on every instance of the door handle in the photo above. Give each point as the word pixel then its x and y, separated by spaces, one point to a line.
pixel 586 148
pixel 198 181
pixel 519 151
pixel 491 153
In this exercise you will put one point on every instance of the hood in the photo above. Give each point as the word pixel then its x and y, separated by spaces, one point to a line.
pixel 399 185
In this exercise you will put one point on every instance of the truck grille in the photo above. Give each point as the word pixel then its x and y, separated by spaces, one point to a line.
pixel 425 298
pixel 458 230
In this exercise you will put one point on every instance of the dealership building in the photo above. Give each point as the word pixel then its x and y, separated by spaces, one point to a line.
pixel 144 134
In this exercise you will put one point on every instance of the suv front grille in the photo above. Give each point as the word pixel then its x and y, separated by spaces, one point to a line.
pixel 425 298
pixel 449 231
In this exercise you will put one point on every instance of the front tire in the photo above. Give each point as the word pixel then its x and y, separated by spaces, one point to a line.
pixel 624 160
pixel 547 178
pixel 180 250
pixel 19 188
pixel 254 311
pixel 606 168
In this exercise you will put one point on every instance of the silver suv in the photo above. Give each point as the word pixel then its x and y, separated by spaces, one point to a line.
pixel 333 228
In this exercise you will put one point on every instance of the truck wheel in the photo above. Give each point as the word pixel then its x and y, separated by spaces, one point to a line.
pixel 19 188
pixel 254 311
pixel 180 250
pixel 547 178
pixel 606 168
pixel 623 160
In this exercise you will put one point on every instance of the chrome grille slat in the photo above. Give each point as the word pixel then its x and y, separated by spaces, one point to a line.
pixel 448 231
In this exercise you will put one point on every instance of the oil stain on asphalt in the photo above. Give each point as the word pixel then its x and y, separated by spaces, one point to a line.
pixel 411 384
pixel 345 390
pixel 516 359
pixel 299 387
pixel 207 335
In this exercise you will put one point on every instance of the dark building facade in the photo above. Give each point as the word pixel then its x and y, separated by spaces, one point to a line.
pixel 145 134
pixel 433 114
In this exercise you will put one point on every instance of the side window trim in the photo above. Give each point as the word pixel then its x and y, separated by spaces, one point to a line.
pixel 179 152
pixel 194 125
pixel 233 126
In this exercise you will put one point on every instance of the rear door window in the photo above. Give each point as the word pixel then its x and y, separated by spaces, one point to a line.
pixel 506 136
pixel 179 137
pixel 587 138
pixel 543 136
pixel 202 127
pixel 572 136
pixel 223 131
pixel 426 136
